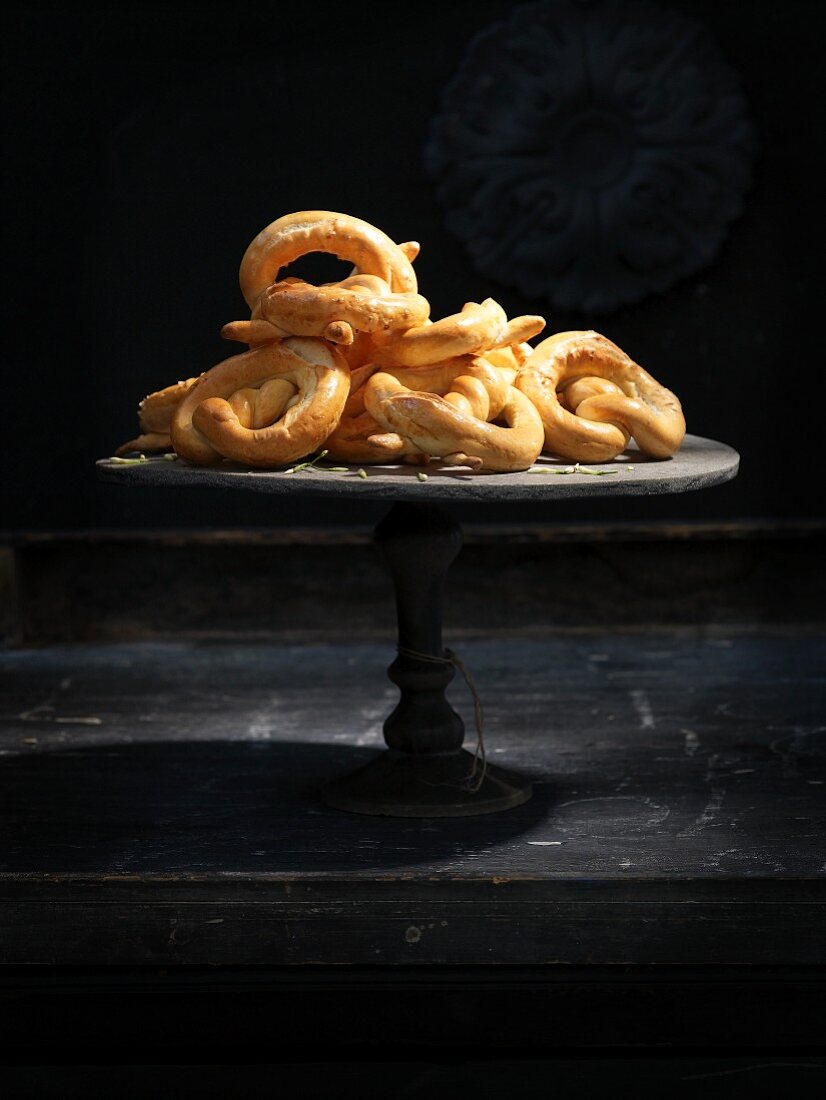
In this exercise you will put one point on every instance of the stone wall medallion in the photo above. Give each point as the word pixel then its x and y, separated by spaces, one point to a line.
pixel 592 152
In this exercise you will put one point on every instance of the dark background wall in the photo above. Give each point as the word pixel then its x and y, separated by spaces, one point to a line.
pixel 149 146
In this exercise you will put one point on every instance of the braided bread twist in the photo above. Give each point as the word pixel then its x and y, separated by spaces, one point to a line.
pixel 207 426
pixel 593 398
pixel 452 431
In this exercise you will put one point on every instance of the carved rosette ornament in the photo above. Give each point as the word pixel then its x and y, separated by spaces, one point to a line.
pixel 592 152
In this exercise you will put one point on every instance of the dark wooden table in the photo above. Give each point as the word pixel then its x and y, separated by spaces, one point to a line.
pixel 162 828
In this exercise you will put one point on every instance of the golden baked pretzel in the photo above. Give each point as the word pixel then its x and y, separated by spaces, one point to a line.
pixel 478 327
pixel 357 366
pixel 360 303
pixel 255 408
pixel 587 420
pixel 206 426
pixel 352 239
pixel 440 428
pixel 469 383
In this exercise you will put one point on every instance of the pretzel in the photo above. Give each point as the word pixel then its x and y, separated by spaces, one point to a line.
pixel 358 365
pixel 454 434
pixel 468 383
pixel 363 303
pixel 478 327
pixel 206 426
pixel 255 408
pixel 352 239
pixel 593 398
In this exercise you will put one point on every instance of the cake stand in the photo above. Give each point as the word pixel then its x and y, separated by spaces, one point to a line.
pixel 425 772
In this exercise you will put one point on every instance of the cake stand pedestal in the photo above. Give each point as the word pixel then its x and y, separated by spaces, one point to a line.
pixel 425 771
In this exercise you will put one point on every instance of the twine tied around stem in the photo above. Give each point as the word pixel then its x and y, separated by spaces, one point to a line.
pixel 476 777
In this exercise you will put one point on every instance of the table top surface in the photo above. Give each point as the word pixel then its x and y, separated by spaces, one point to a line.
pixel 160 803
pixel 699 464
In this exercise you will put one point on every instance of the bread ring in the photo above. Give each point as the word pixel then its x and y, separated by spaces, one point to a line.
pixel 438 428
pixel 206 428
pixel 255 408
pixel 471 384
pixel 605 417
pixel 476 328
pixel 352 239
pixel 364 303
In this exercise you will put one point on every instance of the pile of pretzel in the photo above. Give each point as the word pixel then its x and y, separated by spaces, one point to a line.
pixel 359 369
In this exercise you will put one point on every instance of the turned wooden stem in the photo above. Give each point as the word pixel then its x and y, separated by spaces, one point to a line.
pixel 418 542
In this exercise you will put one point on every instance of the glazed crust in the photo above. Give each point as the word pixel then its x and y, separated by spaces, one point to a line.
pixel 364 302
pixel 206 427
pixel 440 428
pixel 351 239
pixel 357 367
pixel 586 420
pixel 478 327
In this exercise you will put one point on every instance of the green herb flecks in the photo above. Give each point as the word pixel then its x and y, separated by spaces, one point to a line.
pixel 306 465
pixel 575 469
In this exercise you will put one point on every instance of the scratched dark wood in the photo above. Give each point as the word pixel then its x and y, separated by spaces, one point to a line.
pixel 159 806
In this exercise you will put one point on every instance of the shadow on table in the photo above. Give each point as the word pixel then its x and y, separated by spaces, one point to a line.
pixel 213 806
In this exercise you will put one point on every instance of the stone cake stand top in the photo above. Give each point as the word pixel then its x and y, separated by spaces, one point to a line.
pixel 698 464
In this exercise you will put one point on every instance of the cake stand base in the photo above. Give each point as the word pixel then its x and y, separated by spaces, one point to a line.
pixel 400 784
pixel 425 771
